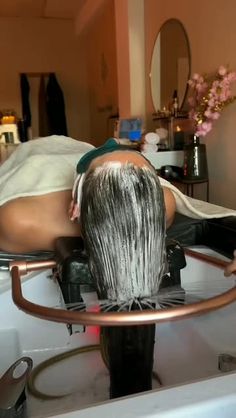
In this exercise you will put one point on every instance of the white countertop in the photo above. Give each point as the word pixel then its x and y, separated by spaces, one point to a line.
pixel 161 158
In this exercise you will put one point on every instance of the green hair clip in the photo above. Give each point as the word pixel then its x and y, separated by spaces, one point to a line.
pixel 110 145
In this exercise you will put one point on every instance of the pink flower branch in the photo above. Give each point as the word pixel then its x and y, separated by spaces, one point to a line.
pixel 210 94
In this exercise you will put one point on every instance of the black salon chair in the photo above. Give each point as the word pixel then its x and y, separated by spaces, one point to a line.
pixel 217 234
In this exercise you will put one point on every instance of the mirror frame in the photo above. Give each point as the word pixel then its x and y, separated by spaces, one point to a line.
pixel 184 102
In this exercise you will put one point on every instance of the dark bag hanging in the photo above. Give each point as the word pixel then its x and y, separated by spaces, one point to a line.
pixel 55 107
pixel 42 109
pixel 25 99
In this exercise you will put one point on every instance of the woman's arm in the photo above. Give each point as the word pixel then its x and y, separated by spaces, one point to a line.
pixel 170 205
pixel 231 267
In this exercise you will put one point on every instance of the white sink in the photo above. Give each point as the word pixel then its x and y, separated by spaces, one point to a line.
pixel 212 398
pixel 186 351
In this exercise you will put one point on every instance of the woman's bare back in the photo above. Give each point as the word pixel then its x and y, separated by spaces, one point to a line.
pixel 33 223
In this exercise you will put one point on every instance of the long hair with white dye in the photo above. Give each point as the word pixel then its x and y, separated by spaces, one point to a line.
pixel 123 227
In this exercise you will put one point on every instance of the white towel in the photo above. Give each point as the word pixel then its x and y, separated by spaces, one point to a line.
pixel 149 148
pixel 151 138
pixel 41 166
pixel 195 208
pixel 48 165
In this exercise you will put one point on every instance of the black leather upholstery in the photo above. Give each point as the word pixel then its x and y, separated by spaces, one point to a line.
pixel 221 235
pixel 218 234
pixel 187 231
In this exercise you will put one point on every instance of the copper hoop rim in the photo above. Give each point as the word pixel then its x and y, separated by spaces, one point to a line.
pixel 115 318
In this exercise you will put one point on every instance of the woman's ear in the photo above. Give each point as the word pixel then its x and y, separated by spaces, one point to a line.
pixel 73 211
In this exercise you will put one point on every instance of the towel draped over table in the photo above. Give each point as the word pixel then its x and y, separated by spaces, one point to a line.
pixel 47 165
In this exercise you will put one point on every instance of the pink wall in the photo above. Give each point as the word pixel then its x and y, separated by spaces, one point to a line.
pixel 43 45
pixel 212 36
pixel 29 45
pixel 99 42
pixel 123 57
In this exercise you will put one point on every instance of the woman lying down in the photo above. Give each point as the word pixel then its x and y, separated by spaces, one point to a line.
pixel 118 202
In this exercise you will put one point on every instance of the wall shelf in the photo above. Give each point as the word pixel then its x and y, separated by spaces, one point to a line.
pixel 179 128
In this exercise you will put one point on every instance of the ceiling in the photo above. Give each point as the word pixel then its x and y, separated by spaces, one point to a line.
pixel 59 9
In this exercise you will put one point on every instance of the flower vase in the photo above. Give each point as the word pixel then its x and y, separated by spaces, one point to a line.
pixel 195 160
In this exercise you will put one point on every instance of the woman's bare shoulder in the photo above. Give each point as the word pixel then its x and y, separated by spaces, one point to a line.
pixel 33 223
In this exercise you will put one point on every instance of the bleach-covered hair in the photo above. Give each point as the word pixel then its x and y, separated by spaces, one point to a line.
pixel 123 227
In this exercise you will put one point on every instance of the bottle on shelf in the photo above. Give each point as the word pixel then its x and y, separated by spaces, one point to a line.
pixel 175 104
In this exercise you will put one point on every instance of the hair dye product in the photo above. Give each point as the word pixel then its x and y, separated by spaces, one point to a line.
pixel 123 227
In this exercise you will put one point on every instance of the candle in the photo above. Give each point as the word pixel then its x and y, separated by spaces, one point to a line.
pixel 178 139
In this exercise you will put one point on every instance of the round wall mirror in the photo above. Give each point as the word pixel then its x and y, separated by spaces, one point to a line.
pixel 170 66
